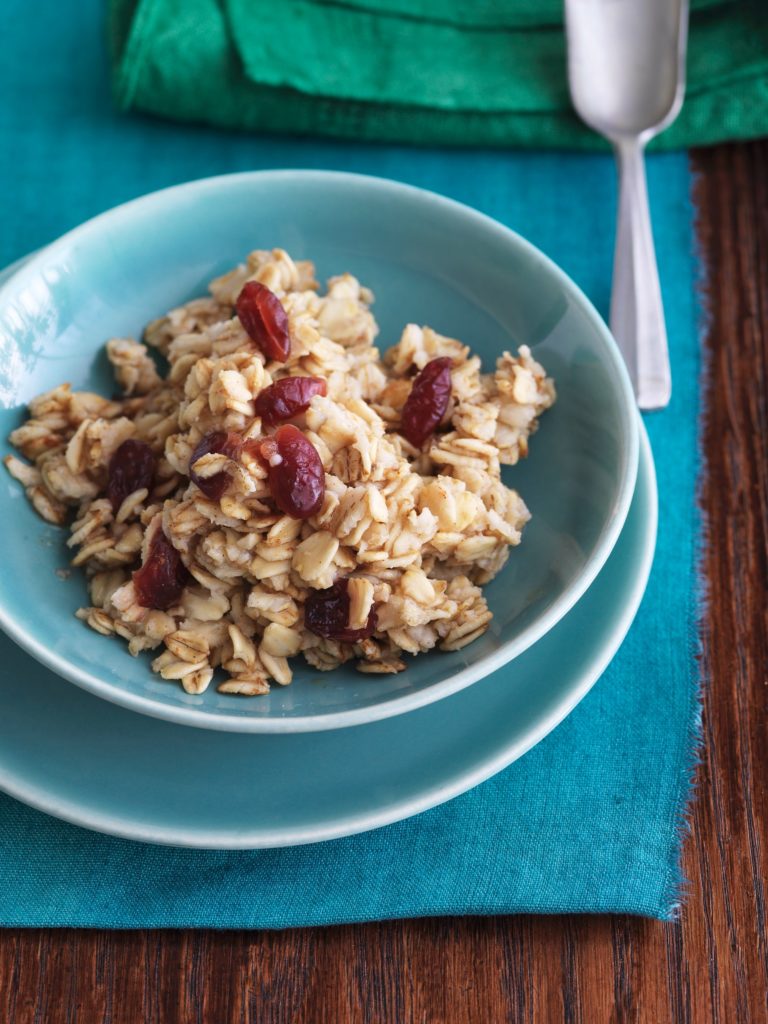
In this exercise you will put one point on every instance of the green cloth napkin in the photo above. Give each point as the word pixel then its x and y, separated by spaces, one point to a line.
pixel 490 72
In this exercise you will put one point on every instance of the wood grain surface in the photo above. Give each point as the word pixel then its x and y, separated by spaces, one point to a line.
pixel 712 965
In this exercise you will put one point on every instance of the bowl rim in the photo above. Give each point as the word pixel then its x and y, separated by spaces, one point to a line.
pixel 208 719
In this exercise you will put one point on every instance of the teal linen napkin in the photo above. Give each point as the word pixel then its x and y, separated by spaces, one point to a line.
pixel 590 819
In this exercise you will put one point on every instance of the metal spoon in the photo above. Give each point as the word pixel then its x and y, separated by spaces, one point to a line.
pixel 626 72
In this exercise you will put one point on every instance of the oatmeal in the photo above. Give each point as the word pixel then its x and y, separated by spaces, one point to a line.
pixel 283 489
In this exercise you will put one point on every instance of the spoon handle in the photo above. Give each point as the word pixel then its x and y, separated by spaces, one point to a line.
pixel 637 314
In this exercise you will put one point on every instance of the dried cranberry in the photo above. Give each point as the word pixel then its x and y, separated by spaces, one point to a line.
pixel 326 613
pixel 295 472
pixel 264 320
pixel 131 467
pixel 288 397
pixel 223 442
pixel 160 581
pixel 427 402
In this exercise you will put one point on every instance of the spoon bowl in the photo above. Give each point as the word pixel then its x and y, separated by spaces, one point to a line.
pixel 626 64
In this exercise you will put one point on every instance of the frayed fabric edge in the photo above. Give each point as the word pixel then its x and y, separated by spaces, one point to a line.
pixel 677 886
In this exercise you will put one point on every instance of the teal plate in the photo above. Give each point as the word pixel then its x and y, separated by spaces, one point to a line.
pixel 429 260
pixel 98 765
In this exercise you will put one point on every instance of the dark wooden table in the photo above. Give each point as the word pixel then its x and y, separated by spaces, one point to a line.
pixel 712 965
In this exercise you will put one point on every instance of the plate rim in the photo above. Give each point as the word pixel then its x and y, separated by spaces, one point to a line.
pixel 242 839
pixel 205 719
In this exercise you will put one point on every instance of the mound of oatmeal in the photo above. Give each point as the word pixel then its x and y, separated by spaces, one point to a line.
pixel 283 489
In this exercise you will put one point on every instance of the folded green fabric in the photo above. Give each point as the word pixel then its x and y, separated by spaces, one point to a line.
pixel 417 71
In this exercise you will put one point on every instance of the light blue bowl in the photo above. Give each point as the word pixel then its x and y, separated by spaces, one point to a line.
pixel 428 260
